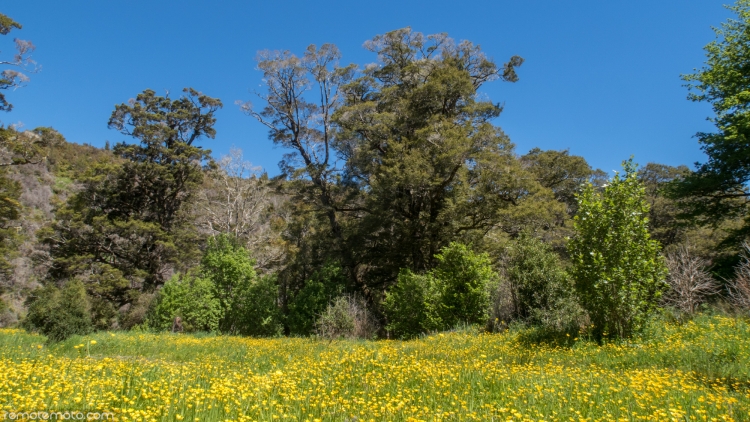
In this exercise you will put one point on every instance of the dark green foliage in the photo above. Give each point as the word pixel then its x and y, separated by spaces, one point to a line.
pixel 260 314
pixel 309 302
pixel 59 313
pixel 542 292
pixel 617 268
pixel 664 223
pixel 456 292
pixel 163 170
pixel 561 172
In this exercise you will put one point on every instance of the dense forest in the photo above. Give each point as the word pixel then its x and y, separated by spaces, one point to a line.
pixel 400 209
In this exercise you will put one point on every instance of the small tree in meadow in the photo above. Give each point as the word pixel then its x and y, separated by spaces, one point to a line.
pixel 59 313
pixel 456 291
pixel 412 305
pixel 619 274
pixel 540 288
pixel 190 297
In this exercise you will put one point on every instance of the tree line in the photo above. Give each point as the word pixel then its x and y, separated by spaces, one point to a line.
pixel 401 209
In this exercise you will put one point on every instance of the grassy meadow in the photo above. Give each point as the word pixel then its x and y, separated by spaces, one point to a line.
pixel 699 370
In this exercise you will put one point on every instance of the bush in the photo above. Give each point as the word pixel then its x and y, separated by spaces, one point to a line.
pixel 411 306
pixel 689 282
pixel 310 301
pixel 137 313
pixel 190 297
pixel 257 312
pixel 347 317
pixel 59 313
pixel 541 291
pixel 103 313
pixel 229 267
pixel 456 292
pixel 464 280
pixel 619 275
pixel 7 317
pixel 225 294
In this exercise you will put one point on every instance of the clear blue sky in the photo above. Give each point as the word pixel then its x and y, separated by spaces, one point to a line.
pixel 601 77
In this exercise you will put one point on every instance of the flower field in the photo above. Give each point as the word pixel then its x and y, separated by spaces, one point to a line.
pixel 695 371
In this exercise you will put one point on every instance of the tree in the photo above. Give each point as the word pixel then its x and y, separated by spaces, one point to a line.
pixel 561 172
pixel 619 274
pixel 420 148
pixel 164 168
pixel 313 298
pixel 718 188
pixel 305 127
pixel 664 212
pixel 13 78
pixel 126 230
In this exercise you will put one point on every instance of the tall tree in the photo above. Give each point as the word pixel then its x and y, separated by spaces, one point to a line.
pixel 302 125
pixel 302 95
pixel 164 168
pixel 718 188
pixel 421 149
pixel 238 199
pixel 126 231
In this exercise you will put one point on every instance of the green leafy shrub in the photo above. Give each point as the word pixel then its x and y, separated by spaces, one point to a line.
pixel 224 294
pixel 258 313
pixel 541 291
pixel 456 292
pixel 60 313
pixel 412 305
pixel 231 271
pixel 191 297
pixel 619 274
pixel 309 303
pixel 464 280
pixel 248 302
pixel 347 317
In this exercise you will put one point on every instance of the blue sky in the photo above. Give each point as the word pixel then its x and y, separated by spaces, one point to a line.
pixel 601 77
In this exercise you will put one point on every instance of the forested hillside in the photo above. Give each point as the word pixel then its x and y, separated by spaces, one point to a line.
pixel 401 209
